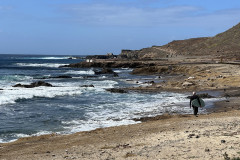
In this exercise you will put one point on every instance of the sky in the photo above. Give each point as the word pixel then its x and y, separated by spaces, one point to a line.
pixel 84 27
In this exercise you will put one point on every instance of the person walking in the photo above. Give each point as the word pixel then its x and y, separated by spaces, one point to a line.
pixel 195 108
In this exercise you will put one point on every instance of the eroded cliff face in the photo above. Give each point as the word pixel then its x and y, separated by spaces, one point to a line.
pixel 154 52
pixel 225 45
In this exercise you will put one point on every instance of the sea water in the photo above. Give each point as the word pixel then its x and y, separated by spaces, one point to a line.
pixel 68 107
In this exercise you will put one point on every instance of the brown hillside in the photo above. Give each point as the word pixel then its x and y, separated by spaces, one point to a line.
pixel 226 45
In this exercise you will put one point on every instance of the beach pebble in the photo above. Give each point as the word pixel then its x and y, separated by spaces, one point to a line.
pixel 191 135
pixel 207 150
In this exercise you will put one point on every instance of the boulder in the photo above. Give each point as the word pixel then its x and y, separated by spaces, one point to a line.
pixel 185 84
pixel 34 84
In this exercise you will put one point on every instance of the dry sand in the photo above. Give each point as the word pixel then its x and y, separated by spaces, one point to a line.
pixel 177 137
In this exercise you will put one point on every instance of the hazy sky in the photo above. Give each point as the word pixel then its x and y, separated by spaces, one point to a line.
pixel 101 26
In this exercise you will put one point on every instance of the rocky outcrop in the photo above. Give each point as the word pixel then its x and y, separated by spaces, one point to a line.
pixel 150 70
pixel 107 56
pixel 106 71
pixel 62 76
pixel 116 90
pixel 34 84
pixel 153 52
pixel 87 85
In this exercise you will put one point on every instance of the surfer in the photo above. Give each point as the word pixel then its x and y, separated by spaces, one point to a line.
pixel 195 108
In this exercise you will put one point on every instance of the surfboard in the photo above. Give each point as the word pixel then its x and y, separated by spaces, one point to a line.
pixel 196 103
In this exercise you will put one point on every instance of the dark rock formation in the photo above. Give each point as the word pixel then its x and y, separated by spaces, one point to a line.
pixel 153 52
pixel 34 84
pixel 116 90
pixel 150 70
pixel 87 85
pixel 63 76
pixel 107 56
pixel 106 71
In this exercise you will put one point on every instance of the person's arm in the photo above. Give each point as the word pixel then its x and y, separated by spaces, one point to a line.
pixel 190 102
pixel 199 101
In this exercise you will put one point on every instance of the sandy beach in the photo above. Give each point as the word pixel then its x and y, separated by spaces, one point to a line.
pixel 209 136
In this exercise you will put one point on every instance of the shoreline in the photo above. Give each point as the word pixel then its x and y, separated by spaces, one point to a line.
pixel 121 142
pixel 161 137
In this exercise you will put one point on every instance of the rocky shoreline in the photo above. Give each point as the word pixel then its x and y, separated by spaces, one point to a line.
pixel 209 136
pixel 178 75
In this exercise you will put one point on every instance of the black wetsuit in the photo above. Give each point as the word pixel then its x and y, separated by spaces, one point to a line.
pixel 195 109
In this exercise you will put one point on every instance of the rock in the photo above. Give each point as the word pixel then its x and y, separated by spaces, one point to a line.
pixel 63 76
pixel 149 82
pixel 207 150
pixel 223 141
pixel 87 85
pixel 185 84
pixel 191 78
pixel 105 71
pixel 116 90
pixel 191 135
pixel 34 84
pixel 115 74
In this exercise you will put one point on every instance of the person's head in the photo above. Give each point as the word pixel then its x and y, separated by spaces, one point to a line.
pixel 194 93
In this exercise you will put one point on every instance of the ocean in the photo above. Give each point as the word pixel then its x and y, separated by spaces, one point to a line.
pixel 68 107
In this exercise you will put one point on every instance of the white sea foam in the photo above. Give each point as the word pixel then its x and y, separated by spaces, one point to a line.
pixel 10 95
pixel 45 57
pixel 10 78
pixel 52 65
pixel 7 141
pixel 88 72
pixel 132 106
pixel 123 70
pixel 21 135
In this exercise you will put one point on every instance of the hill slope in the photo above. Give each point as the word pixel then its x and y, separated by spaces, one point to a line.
pixel 226 44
